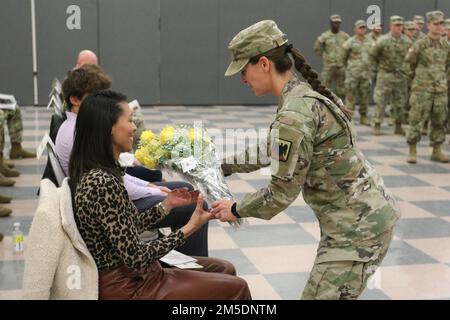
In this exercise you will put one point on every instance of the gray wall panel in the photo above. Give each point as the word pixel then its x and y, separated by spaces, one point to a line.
pixel 303 22
pixel 407 9
pixel 184 64
pixel 16 75
pixel 57 46
pixel 129 47
pixel 444 6
pixel 189 53
pixel 235 15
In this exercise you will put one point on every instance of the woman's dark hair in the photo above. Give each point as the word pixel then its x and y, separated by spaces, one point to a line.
pixel 84 80
pixel 92 147
pixel 279 56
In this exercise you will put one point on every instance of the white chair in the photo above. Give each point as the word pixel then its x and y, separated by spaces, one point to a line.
pixel 56 166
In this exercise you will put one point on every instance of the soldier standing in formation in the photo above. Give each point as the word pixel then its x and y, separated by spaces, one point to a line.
pixel 388 55
pixel 358 75
pixel 329 47
pixel 375 33
pixel 429 60
pixel 410 31
pixel 419 21
pixel 312 150
pixel 447 26
pixel 13 119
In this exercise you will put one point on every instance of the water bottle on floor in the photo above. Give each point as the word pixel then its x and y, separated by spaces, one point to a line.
pixel 17 238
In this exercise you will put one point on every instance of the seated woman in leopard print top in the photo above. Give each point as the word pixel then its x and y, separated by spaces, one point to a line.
pixel 110 224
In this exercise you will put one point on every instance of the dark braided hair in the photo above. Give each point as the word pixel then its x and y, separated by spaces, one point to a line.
pixel 279 56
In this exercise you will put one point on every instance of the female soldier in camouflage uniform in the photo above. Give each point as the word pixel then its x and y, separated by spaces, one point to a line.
pixel 312 149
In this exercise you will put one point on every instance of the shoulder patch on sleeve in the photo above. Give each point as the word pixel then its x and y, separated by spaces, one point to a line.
pixel 280 149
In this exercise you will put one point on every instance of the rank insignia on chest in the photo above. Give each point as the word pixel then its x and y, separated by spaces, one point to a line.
pixel 280 149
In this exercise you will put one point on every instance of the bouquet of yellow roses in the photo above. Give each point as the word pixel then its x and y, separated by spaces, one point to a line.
pixel 188 151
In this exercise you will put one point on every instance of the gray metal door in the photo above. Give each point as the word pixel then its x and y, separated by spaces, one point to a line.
pixel 57 46
pixel 16 71
pixel 129 47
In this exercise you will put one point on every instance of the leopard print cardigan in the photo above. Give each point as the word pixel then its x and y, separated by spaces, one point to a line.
pixel 110 224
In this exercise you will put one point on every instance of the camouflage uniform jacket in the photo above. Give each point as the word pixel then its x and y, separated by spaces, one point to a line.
pixel 313 142
pixel 357 57
pixel 448 68
pixel 373 38
pixel 388 54
pixel 329 47
pixel 429 60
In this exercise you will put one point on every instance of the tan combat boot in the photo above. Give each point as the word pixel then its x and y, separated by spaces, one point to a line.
pixel 364 120
pixel 17 152
pixel 412 157
pixel 5 199
pixel 5 212
pixel 8 163
pixel 6 171
pixel 398 129
pixel 438 155
pixel 5 182
pixel 377 129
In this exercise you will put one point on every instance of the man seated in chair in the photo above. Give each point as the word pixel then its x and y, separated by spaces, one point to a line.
pixel 86 57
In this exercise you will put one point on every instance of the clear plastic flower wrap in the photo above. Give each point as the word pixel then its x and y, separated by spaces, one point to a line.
pixel 189 152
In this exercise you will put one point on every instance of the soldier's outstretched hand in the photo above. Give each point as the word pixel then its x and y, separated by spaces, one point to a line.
pixel 222 210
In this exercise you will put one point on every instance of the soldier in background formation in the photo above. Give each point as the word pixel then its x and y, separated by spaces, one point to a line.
pixel 410 31
pixel 329 46
pixel 419 21
pixel 358 75
pixel 388 56
pixel 429 60
pixel 375 33
pixel 13 119
pixel 447 37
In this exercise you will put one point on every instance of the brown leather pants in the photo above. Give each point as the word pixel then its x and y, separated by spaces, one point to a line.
pixel 217 280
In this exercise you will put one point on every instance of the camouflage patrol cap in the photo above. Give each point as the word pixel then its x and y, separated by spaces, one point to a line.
pixel 360 23
pixel 410 25
pixel 419 19
pixel 435 16
pixel 252 41
pixel 335 18
pixel 397 20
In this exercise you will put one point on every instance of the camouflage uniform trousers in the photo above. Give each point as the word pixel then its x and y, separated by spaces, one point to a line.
pixel 390 89
pixel 427 106
pixel 138 120
pixel 13 119
pixel 448 109
pixel 407 104
pixel 358 89
pixel 345 280
pixel 336 74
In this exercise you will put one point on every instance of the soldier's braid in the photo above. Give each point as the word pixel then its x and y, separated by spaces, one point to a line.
pixel 313 79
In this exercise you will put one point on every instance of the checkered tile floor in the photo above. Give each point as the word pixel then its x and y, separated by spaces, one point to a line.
pixel 276 256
